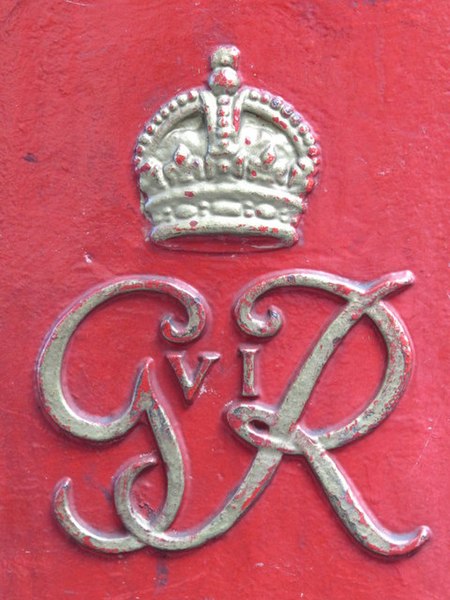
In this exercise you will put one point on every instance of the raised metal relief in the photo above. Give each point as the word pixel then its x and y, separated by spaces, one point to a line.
pixel 230 161
pixel 186 167
pixel 284 432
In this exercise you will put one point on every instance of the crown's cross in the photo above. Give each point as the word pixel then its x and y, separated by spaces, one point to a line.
pixel 223 106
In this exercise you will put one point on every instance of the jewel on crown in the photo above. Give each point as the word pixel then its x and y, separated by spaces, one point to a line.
pixel 227 164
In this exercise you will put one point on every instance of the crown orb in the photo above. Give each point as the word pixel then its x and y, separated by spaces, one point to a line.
pixel 224 80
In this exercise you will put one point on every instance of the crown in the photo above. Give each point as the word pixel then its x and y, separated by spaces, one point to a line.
pixel 227 163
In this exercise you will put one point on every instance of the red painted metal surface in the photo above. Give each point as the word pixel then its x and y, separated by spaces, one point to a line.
pixel 78 81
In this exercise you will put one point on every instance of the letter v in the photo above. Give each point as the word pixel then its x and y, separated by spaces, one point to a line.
pixel 189 380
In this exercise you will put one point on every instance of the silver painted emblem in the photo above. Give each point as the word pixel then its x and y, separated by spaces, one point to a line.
pixel 195 180
pixel 230 161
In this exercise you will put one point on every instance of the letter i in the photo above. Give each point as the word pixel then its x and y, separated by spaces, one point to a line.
pixel 249 371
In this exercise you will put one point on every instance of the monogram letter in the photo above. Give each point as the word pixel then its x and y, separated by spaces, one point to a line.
pixel 190 381
pixel 249 386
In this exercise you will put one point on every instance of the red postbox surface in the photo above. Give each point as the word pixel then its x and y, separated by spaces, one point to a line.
pixel 79 79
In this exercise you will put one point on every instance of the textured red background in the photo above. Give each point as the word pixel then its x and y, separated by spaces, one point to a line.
pixel 78 80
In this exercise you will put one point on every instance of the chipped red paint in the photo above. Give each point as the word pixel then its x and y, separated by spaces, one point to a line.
pixel 190 380
pixel 309 183
pixel 280 122
pixel 251 499
pixel 236 119
pixel 269 159
pixel 223 81
pixel 249 371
